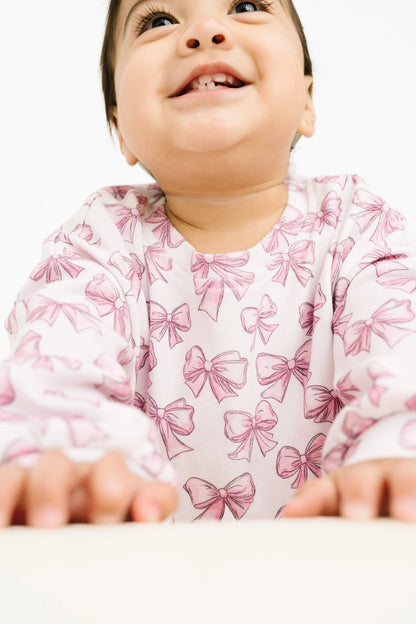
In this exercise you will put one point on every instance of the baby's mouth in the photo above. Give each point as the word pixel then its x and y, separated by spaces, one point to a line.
pixel 211 81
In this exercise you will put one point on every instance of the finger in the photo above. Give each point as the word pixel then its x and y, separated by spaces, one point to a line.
pixel 361 489
pixel 12 479
pixel 47 490
pixel 315 498
pixel 110 486
pixel 402 490
pixel 153 502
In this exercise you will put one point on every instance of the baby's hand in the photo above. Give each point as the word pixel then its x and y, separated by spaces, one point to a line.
pixel 56 491
pixel 360 492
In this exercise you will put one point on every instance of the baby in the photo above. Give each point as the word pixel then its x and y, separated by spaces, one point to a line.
pixel 212 344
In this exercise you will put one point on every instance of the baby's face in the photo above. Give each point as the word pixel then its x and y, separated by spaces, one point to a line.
pixel 208 78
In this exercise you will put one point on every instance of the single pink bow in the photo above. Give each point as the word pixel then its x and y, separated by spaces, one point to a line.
pixel 127 217
pixel 321 404
pixel 157 260
pixel 307 316
pixel 164 230
pixel 253 320
pixel 383 323
pixel 378 213
pixel 108 300
pixel 278 370
pixel 207 266
pixel 51 268
pixel 173 420
pixel 289 225
pixel 290 462
pixel 40 308
pixel 297 255
pixel 242 428
pixel 237 495
pixel 131 268
pixel 327 215
pixel 162 322
pixel 353 427
pixel 225 372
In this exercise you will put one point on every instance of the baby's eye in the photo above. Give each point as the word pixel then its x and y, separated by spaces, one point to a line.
pixel 246 7
pixel 153 20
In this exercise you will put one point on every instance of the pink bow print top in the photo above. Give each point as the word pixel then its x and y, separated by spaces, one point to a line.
pixel 235 376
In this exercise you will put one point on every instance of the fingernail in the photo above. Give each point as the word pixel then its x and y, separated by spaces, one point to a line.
pixel 47 517
pixel 357 511
pixel 151 513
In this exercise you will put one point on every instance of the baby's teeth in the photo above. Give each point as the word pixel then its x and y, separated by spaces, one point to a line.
pixel 205 79
pixel 220 78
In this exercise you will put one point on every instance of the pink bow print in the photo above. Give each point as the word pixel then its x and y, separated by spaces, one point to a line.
pixel 128 217
pixel 212 288
pixel 39 308
pixel 378 213
pixel 108 300
pixel 6 389
pixel 131 268
pixel 164 230
pixel 340 251
pixel 162 322
pixel 328 214
pixel 253 320
pixel 321 404
pixel 353 427
pixel 243 428
pixel 173 420
pixel 297 255
pixel 307 316
pixel 52 267
pixel 375 371
pixel 287 226
pixel 290 462
pixel 157 260
pixel 278 370
pixel 29 349
pixel 225 372
pixel 237 495
pixel 383 323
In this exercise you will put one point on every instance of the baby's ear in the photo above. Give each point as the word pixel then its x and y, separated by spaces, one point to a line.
pixel 128 155
pixel 307 125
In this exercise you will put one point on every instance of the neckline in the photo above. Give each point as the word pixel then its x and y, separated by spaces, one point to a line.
pixel 186 245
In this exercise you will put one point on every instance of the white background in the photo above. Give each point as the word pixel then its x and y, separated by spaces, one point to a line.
pixel 55 149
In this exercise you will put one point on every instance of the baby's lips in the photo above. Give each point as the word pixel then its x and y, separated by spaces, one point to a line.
pixel 208 69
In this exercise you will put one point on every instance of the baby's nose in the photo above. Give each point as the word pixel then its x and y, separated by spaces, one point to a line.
pixel 205 32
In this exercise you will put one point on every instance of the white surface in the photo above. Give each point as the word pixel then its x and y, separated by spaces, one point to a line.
pixel 55 150
pixel 298 571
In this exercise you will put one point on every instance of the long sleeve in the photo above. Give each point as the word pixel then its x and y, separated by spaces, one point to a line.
pixel 70 379
pixel 374 285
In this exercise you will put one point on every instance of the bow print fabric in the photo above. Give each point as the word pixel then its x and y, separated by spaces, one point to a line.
pixel 236 495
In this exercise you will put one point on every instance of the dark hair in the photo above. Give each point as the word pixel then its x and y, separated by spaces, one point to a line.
pixel 109 50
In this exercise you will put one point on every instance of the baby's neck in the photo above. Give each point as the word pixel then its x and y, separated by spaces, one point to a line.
pixel 222 225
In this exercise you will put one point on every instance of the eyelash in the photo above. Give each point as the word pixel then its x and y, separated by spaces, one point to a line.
pixel 154 11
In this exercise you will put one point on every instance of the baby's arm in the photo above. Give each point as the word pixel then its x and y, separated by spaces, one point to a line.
pixel 369 455
pixel 69 384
